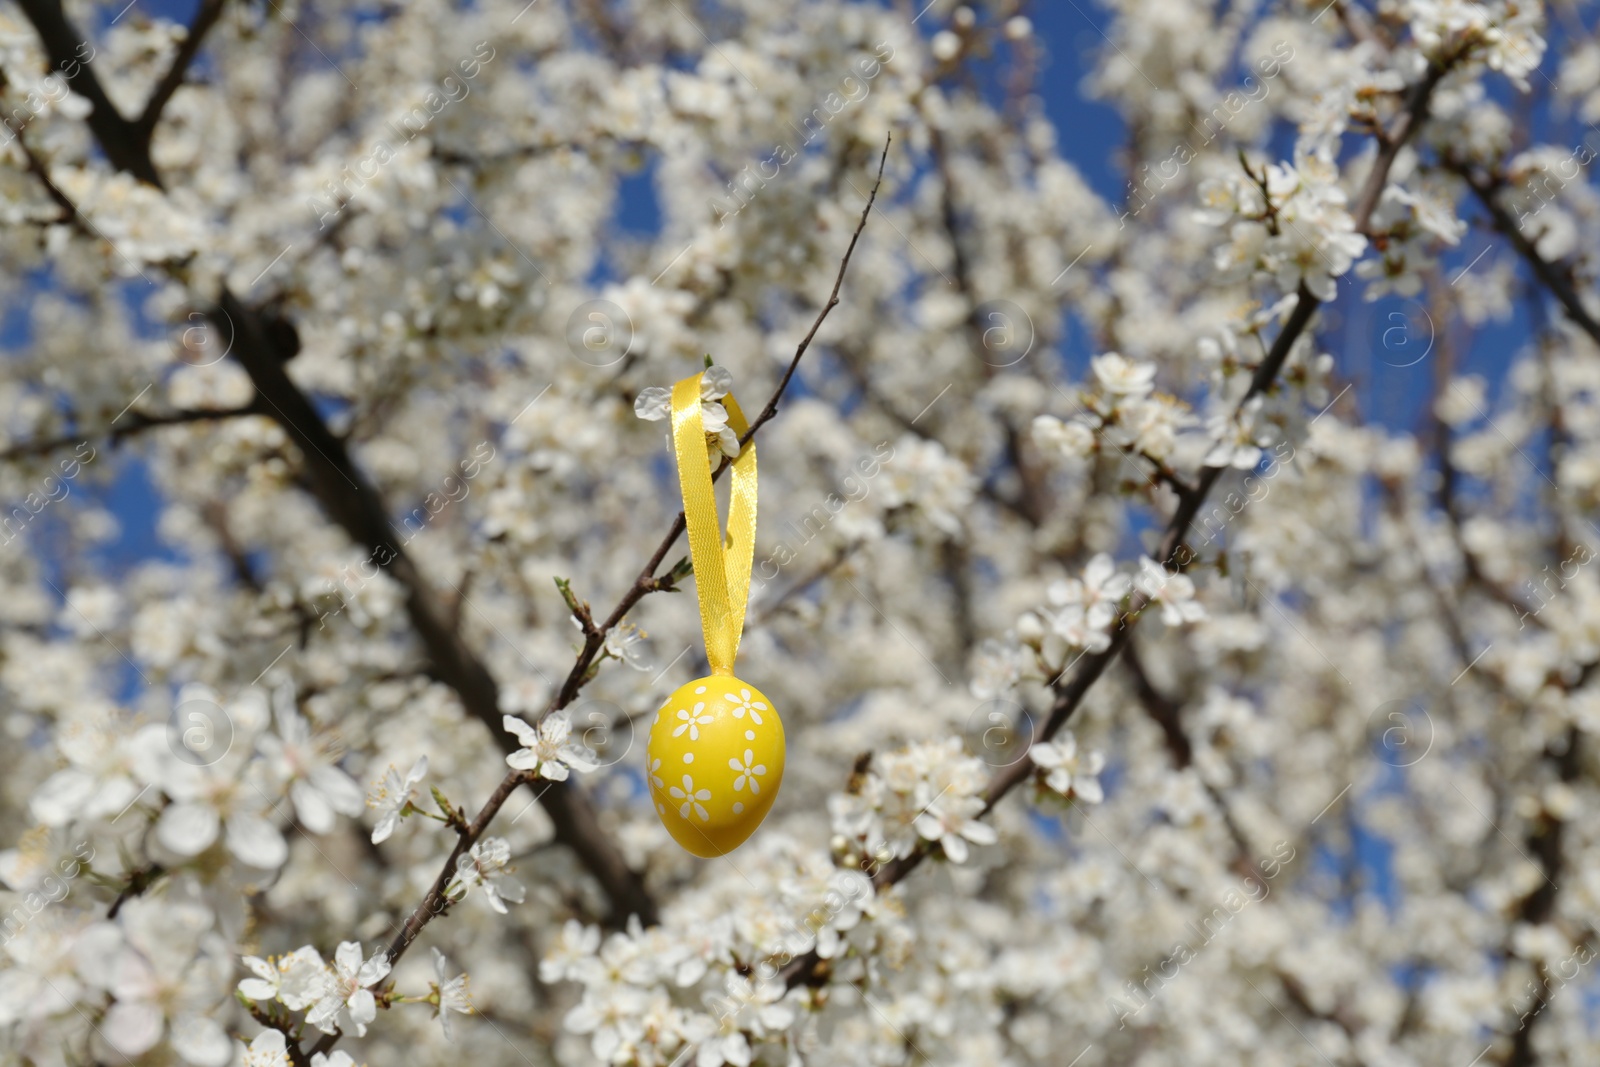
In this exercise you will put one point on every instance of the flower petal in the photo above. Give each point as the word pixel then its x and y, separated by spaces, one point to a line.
pixel 188 828
pixel 256 841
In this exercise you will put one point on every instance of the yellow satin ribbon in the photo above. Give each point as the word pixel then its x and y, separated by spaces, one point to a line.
pixel 721 567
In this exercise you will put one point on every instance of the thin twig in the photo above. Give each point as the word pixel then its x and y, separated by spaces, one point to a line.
pixel 69 210
pixel 1556 278
pixel 1389 144
pixel 648 582
pixel 204 19
pixel 1164 711
pixel 434 902
pixel 771 408
pixel 131 423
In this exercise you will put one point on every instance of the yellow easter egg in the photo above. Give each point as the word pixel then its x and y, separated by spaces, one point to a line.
pixel 714 762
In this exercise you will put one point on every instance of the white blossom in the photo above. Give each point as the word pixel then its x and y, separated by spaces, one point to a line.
pixel 1071 439
pixel 486 866
pixel 545 749
pixel 1174 592
pixel 346 1001
pixel 295 979
pixel 453 994
pixel 307 762
pixel 654 404
pixel 268 1049
pixel 391 795
pixel 1067 771
pixel 1234 439
pixel 622 643
pixel 952 822
pixel 1120 376
pixel 163 969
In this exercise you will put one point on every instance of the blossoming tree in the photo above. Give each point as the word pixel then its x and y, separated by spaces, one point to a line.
pixel 1147 701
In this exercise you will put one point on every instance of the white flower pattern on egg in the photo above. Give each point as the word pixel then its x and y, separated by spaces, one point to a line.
pixel 747 772
pixel 691 799
pixel 742 703
pixel 692 721
pixel 655 779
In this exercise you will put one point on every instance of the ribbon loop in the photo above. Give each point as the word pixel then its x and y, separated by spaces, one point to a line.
pixel 721 566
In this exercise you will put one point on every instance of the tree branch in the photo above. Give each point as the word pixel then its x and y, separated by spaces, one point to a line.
pixel 1557 279
pixel 126 142
pixel 1390 143
pixel 135 423
pixel 771 407
pixel 341 488
pixel 69 210
pixel 351 501
pixel 434 902
pixel 70 54
pixel 1090 666
pixel 1164 711
pixel 1031 498
pixel 204 19
pixel 1545 839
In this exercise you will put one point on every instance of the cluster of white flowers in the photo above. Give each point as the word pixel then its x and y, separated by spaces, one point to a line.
pixel 1173 592
pixel 628 1022
pixel 930 791
pixel 1124 413
pixel 1066 772
pixel 164 963
pixel 1158 434
pixel 1080 614
pixel 271 1049
pixel 215 773
pixel 1236 439
pixel 1290 221
pixel 1505 34
pixel 339 997
pixel 1414 225
pixel 705 986
pixel 925 475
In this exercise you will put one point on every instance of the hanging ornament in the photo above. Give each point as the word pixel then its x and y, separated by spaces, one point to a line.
pixel 715 753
